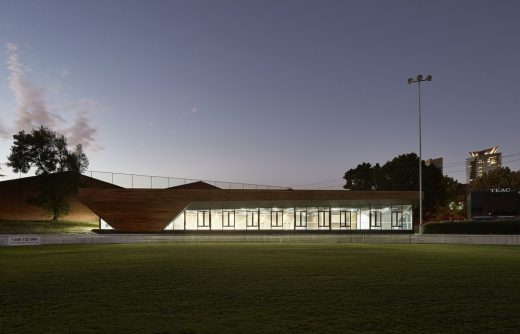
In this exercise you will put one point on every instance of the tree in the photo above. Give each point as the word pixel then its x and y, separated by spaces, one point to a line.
pixel 58 166
pixel 363 177
pixel 46 151
pixel 454 205
pixel 401 174
pixel 502 177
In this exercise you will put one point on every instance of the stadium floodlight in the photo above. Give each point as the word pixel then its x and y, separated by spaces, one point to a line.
pixel 418 80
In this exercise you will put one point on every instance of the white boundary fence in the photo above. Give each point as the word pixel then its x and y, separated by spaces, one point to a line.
pixel 66 239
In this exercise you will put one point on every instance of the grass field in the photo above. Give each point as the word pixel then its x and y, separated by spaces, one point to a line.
pixel 45 227
pixel 260 288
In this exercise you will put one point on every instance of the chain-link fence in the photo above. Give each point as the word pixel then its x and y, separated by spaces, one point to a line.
pixel 126 180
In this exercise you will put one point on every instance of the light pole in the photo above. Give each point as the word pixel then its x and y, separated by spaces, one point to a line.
pixel 418 80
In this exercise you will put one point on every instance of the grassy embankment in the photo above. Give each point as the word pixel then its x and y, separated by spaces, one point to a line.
pixel 260 288
pixel 45 227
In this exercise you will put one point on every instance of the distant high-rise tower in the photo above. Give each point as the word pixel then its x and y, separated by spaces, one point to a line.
pixel 481 162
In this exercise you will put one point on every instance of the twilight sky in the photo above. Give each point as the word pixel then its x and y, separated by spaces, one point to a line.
pixel 289 93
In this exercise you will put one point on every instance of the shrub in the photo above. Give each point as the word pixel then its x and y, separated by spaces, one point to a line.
pixel 474 227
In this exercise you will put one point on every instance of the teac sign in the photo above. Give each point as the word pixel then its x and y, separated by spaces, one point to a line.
pixel 500 190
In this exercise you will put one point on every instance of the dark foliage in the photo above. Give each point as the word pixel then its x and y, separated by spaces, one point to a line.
pixel 502 177
pixel 402 174
pixel 58 166
pixel 47 152
pixel 474 227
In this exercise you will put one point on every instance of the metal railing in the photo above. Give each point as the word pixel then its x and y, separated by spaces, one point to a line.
pixel 127 180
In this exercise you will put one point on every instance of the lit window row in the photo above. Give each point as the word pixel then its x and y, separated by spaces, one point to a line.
pixel 396 217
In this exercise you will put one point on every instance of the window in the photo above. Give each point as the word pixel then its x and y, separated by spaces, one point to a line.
pixel 203 219
pixel 300 218
pixel 375 219
pixel 253 217
pixel 323 219
pixel 345 219
pixel 228 218
pixel 397 219
pixel 276 218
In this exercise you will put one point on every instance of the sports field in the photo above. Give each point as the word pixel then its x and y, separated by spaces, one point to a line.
pixel 260 288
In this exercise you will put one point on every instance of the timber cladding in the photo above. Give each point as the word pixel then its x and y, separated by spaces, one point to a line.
pixel 151 210
pixel 15 200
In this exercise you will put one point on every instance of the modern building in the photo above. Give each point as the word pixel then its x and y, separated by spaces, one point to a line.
pixel 481 162
pixel 200 207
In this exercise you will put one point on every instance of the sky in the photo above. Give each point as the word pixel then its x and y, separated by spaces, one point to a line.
pixel 289 93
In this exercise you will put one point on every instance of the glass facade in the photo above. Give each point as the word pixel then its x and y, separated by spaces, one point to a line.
pixel 354 218
pixel 103 225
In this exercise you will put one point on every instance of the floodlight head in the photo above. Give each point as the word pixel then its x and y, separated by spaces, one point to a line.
pixel 429 78
pixel 419 77
pixel 410 81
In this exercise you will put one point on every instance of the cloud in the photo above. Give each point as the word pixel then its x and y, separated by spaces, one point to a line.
pixel 3 131
pixel 64 72
pixel 89 102
pixel 82 132
pixel 32 110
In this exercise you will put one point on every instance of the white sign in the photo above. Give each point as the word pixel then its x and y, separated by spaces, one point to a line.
pixel 500 190
pixel 23 240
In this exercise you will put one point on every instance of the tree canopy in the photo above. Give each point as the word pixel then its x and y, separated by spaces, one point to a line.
pixel 502 177
pixel 363 177
pixel 402 174
pixel 47 152
pixel 58 166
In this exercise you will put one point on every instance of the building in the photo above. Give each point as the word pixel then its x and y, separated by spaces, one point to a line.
pixel 437 162
pixel 481 162
pixel 495 204
pixel 16 195
pixel 200 207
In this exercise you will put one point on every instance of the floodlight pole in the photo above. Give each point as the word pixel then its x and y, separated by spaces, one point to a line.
pixel 418 80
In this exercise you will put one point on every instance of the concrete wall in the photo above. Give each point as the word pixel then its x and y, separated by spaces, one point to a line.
pixel 56 239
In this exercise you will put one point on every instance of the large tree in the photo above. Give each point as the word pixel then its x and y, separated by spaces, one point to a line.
pixel 58 166
pixel 363 177
pixel 402 174
pixel 46 151
pixel 502 177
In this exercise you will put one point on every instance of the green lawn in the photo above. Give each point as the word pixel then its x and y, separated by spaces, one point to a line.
pixel 45 227
pixel 260 288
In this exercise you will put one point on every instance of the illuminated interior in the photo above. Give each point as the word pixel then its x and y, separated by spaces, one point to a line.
pixel 103 225
pixel 394 217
